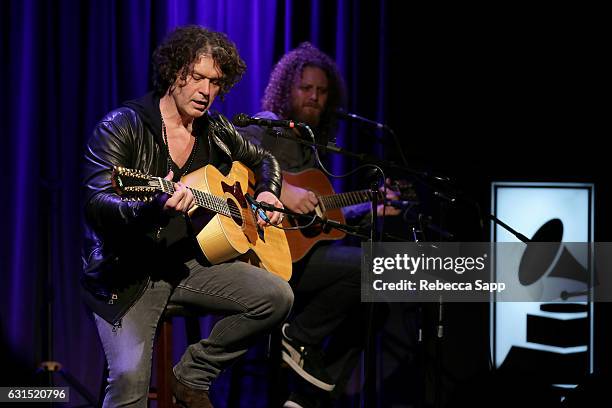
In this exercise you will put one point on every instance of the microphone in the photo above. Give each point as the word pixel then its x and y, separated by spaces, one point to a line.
pixel 342 114
pixel 244 120
pixel 256 207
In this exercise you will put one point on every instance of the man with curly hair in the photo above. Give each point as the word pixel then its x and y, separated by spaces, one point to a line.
pixel 306 86
pixel 140 256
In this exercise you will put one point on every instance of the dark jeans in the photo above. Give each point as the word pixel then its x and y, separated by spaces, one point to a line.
pixel 254 301
pixel 327 283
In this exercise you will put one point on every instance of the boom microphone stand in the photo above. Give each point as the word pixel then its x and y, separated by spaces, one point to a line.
pixel 369 396
pixel 241 120
pixel 49 366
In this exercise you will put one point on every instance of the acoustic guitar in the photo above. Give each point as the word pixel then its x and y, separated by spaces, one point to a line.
pixel 330 207
pixel 223 221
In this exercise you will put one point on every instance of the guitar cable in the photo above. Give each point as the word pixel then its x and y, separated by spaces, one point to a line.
pixel 373 166
pixel 258 209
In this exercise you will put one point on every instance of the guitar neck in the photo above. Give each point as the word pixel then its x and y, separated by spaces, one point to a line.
pixel 341 200
pixel 202 199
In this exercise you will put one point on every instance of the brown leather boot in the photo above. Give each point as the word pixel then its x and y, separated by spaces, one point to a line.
pixel 189 397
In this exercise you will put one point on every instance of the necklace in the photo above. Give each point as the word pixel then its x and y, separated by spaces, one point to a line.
pixel 191 156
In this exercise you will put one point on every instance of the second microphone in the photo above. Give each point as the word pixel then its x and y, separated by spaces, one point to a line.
pixel 244 120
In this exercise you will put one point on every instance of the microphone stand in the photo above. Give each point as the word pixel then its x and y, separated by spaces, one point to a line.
pixel 369 394
pixel 508 228
pixel 49 366
pixel 424 178
pixel 359 156
pixel 369 388
pixel 439 332
pixel 521 238
pixel 380 126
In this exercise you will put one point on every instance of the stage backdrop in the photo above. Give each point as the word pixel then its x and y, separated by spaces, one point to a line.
pixel 64 65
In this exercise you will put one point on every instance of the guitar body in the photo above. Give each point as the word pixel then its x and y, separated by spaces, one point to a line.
pixel 223 238
pixel 301 241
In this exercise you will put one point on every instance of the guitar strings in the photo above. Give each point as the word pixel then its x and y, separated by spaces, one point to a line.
pixel 208 200
pixel 221 206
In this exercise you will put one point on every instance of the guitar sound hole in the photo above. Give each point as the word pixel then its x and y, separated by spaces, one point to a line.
pixel 235 211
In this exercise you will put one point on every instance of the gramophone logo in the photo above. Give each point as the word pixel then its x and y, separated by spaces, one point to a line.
pixel 553 270
pixel 556 332
pixel 547 332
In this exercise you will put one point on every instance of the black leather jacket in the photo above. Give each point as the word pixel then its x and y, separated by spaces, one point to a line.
pixel 119 236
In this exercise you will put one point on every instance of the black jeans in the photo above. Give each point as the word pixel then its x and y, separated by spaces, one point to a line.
pixel 328 280
pixel 327 288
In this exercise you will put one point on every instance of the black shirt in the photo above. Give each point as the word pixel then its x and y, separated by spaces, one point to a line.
pixel 177 234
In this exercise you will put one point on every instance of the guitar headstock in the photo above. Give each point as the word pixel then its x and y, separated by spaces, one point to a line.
pixel 133 184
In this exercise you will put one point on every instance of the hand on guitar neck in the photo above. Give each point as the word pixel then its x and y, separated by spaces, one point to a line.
pixel 317 195
pixel 183 200
pixel 304 201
